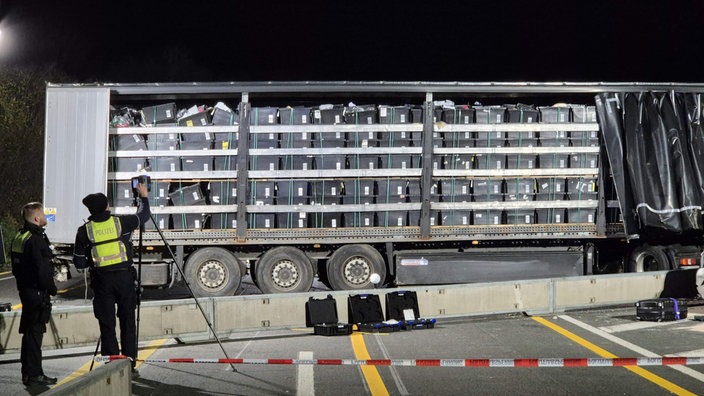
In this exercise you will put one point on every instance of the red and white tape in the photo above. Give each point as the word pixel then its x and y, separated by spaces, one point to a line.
pixel 545 362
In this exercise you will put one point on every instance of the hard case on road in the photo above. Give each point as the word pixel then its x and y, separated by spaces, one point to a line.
pixel 365 311
pixel 321 315
pixel 661 309
pixel 402 306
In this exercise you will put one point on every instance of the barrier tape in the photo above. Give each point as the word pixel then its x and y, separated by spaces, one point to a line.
pixel 546 362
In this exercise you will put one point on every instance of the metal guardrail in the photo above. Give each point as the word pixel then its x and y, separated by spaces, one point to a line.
pixel 76 326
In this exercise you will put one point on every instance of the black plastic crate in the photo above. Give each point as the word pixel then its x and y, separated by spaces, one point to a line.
pixel 295 115
pixel 581 215
pixel 196 145
pixel 415 190
pixel 584 160
pixel 262 220
pixel 521 161
pixel 159 114
pixel 322 189
pixel 222 192
pixel 328 143
pixel 264 116
pixel 394 139
pixel 489 161
pixel 361 115
pixel 362 139
pixel 225 140
pixel 459 139
pixel 326 220
pixel 167 141
pixel 264 162
pixel 295 140
pixel 522 115
pixel 364 161
pixel 394 114
pixel 456 217
pixel 293 188
pixel 297 162
pixel 329 161
pixel 394 161
pixel 490 139
pixel 520 186
pixel 550 185
pixel 550 216
pixel 197 164
pixel 328 115
pixel 489 114
pixel 395 218
pixel 189 221
pixel 126 164
pixel 584 141
pixel 520 216
pixel 264 140
pixel 187 195
pixel 359 188
pixel 225 162
pixel 558 139
pixel 165 164
pixel 581 185
pixel 458 161
pixel 132 142
pixel 163 221
pixel 417 115
pixel 521 141
pixel 198 119
pixel 223 221
pixel 262 189
pixel 224 117
pixel 461 114
pixel 391 190
pixel 519 197
pixel 582 113
pixel 358 219
pixel 487 186
pixel 553 161
pixel 292 220
pixel 554 114
pixel 487 217
pixel 414 218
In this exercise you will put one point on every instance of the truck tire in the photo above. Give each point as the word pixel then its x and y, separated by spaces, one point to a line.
pixel 350 267
pixel 284 269
pixel 213 272
pixel 646 258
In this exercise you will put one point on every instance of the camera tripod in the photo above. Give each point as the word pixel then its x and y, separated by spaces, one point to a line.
pixel 139 292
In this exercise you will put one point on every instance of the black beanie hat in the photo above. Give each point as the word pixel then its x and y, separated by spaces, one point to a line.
pixel 96 203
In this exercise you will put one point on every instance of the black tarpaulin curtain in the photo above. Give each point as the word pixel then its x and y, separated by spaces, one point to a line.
pixel 655 146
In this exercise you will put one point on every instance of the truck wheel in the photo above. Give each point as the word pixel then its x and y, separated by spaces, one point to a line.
pixel 351 266
pixel 284 269
pixel 648 258
pixel 213 272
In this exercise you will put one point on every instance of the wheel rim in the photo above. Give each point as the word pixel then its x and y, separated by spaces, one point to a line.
pixel 357 271
pixel 212 274
pixel 285 274
pixel 647 262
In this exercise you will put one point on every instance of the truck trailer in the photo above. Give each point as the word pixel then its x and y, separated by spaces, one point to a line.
pixel 418 182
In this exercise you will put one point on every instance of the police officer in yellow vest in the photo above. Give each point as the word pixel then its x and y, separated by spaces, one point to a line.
pixel 104 245
pixel 32 268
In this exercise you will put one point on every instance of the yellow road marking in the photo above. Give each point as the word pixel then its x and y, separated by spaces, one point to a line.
pixel 674 388
pixel 143 354
pixel 371 374
pixel 5 273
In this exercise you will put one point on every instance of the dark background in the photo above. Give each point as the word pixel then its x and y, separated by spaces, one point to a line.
pixel 148 40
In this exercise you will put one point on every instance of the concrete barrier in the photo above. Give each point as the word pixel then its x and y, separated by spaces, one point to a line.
pixel 111 379
pixel 76 326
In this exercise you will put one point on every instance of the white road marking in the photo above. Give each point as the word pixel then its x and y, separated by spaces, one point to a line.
pixel 305 381
pixel 633 347
pixel 402 390
pixel 637 326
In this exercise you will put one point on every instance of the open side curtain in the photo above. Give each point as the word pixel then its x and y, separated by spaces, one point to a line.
pixel 655 145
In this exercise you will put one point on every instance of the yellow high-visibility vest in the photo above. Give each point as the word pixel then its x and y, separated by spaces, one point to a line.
pixel 18 245
pixel 107 248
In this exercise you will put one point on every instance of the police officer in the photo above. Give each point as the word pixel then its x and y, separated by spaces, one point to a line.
pixel 104 245
pixel 32 268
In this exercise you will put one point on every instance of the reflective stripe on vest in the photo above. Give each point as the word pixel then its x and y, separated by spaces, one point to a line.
pixel 107 248
pixel 19 241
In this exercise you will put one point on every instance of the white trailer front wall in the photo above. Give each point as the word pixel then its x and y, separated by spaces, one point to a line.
pixel 76 155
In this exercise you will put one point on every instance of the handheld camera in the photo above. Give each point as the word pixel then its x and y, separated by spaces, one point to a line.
pixel 144 179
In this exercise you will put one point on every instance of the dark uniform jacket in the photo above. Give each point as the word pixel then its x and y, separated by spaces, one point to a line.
pixel 33 272
pixel 81 253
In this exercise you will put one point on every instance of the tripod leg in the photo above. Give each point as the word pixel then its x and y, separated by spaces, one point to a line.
pixel 92 362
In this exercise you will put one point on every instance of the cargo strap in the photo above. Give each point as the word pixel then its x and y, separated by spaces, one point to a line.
pixel 677 308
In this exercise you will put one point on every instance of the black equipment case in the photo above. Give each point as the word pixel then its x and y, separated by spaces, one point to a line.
pixel 365 311
pixel 321 315
pixel 661 309
pixel 402 306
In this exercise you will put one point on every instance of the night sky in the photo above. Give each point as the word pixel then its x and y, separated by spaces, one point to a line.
pixel 256 40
